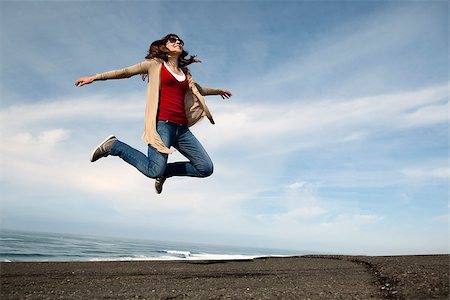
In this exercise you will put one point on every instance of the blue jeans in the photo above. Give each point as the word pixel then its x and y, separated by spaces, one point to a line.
pixel 155 164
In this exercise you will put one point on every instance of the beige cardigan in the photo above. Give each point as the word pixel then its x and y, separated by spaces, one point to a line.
pixel 194 102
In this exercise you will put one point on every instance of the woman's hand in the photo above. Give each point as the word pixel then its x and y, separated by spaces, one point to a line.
pixel 225 94
pixel 84 80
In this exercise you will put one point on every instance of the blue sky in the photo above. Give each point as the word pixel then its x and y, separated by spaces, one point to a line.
pixel 336 138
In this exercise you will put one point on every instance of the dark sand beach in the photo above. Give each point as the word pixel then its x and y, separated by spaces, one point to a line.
pixel 305 277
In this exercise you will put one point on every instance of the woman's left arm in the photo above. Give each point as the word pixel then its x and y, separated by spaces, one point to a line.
pixel 206 91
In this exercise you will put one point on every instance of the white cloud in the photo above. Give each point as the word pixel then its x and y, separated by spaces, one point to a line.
pixel 359 56
pixel 22 147
pixel 347 222
pixel 355 136
pixel 442 218
pixel 300 213
pixel 286 127
pixel 430 173
pixel 45 138
pixel 51 137
pixel 254 130
pixel 298 203
pixel 92 108
pixel 60 161
pixel 432 114
pixel 297 185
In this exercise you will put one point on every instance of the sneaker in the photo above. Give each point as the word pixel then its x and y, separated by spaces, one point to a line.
pixel 104 149
pixel 159 184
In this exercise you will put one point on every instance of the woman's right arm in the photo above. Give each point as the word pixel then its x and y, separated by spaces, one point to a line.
pixel 140 68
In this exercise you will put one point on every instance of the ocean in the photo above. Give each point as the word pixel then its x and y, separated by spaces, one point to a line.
pixel 21 246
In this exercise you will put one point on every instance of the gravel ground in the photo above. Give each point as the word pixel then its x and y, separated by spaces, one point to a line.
pixel 412 277
pixel 308 277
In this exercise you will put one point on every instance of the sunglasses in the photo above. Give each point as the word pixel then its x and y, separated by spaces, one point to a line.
pixel 174 40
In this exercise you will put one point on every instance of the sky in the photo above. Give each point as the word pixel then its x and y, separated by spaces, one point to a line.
pixel 335 139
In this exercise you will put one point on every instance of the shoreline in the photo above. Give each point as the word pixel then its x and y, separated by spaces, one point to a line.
pixel 211 257
pixel 292 277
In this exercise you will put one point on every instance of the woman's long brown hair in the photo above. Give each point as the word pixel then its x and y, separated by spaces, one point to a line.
pixel 158 49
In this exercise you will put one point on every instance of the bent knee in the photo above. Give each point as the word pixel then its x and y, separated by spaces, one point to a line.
pixel 205 170
pixel 153 171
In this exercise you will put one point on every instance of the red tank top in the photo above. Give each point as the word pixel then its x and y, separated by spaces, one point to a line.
pixel 171 98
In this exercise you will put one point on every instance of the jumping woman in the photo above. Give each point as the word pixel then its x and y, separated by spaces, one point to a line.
pixel 174 103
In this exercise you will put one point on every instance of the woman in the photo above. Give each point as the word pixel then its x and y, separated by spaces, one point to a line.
pixel 174 103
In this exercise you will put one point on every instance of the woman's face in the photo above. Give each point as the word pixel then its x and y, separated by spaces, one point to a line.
pixel 175 45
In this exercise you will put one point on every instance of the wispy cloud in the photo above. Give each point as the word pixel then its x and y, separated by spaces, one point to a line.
pixel 442 218
pixel 437 173
pixel 359 57
pixel 297 185
pixel 94 108
pixel 296 125
pixel 258 131
pixel 61 138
